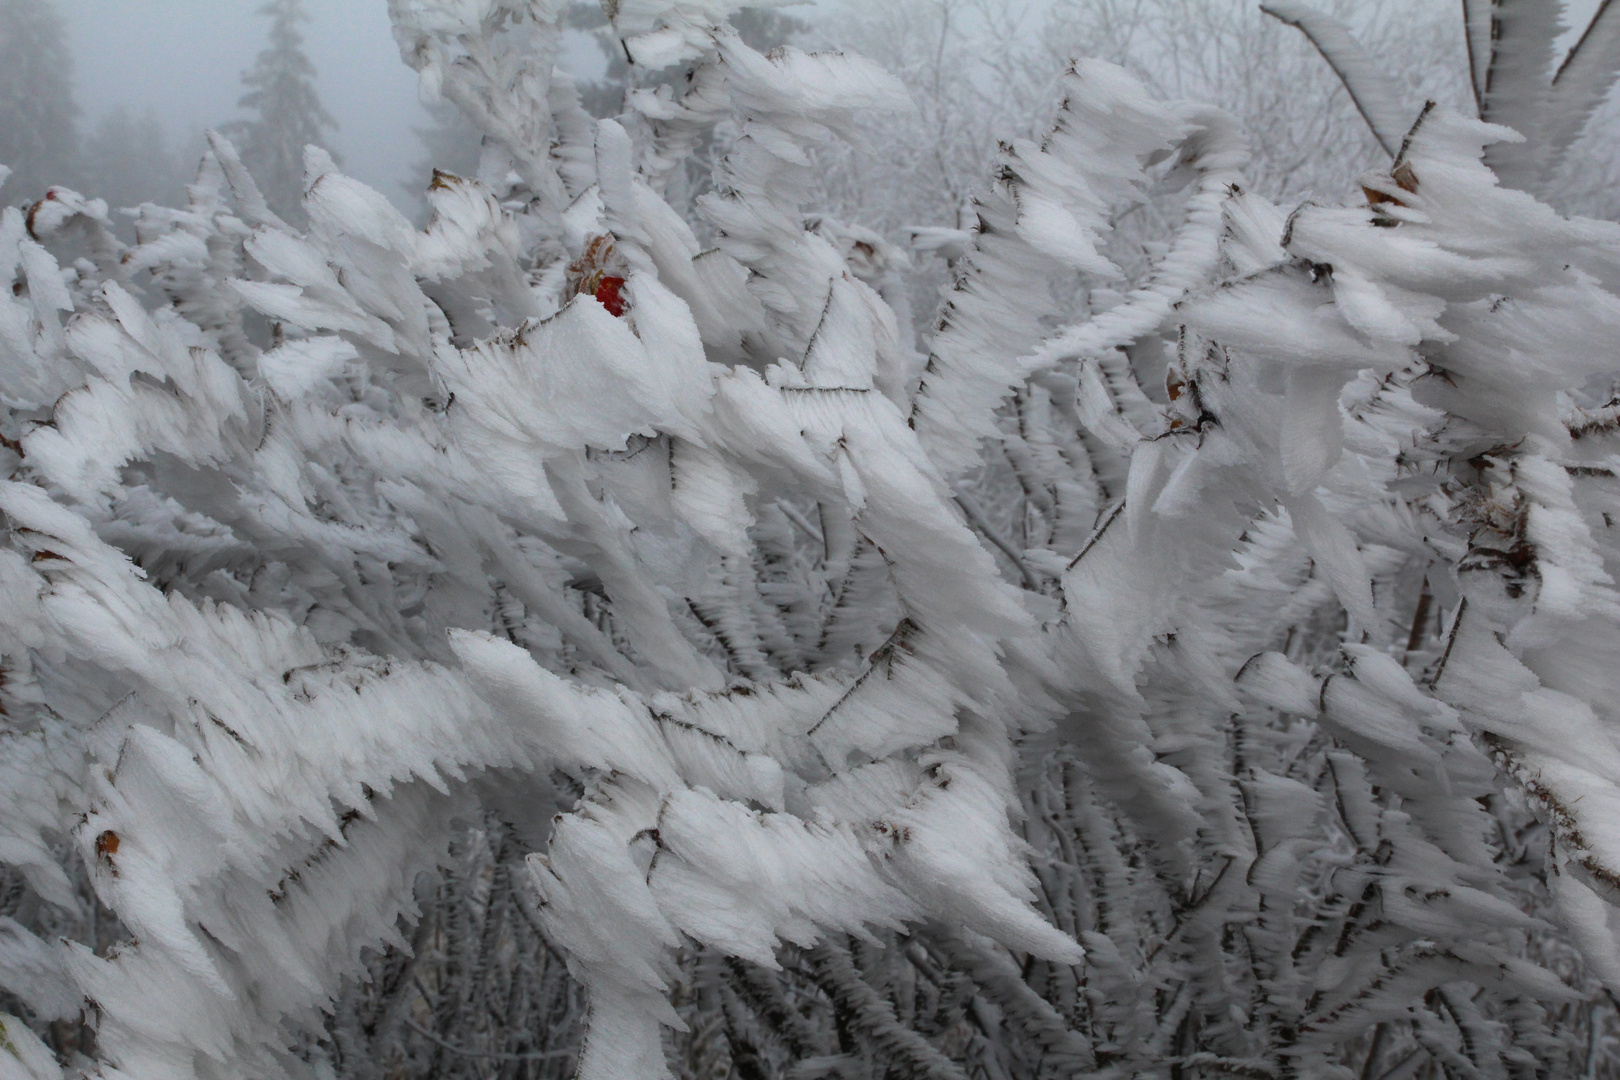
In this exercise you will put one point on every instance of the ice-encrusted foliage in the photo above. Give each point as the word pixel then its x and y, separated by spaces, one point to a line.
pixel 1512 46
pixel 1204 673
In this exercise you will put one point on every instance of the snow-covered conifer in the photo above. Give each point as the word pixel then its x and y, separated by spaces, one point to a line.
pixel 38 117
pixel 286 114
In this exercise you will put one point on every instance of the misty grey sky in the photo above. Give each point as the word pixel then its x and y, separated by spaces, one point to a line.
pixel 184 59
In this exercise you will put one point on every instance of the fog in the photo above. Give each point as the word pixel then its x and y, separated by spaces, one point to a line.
pixel 184 59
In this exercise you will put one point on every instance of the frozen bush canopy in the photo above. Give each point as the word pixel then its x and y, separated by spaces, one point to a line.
pixel 1204 671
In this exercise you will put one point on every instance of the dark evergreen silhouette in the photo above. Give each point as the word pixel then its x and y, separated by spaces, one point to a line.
pixel 38 117
pixel 127 161
pixel 287 114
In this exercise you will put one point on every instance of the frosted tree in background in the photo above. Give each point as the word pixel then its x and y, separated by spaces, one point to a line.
pixel 546 641
pixel 127 161
pixel 982 71
pixel 38 119
pixel 120 158
pixel 1512 79
pixel 287 114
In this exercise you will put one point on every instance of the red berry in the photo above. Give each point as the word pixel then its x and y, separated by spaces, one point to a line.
pixel 608 295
